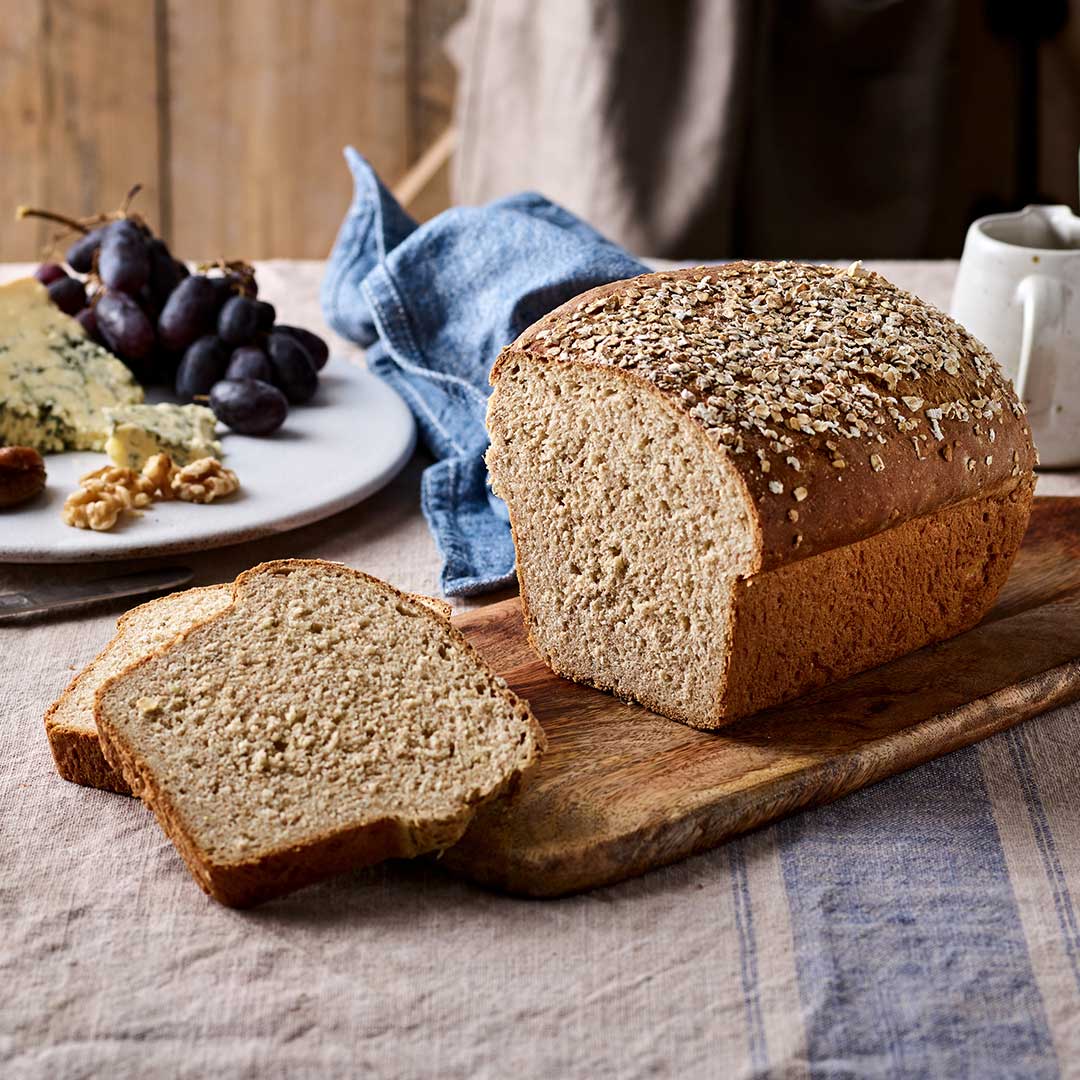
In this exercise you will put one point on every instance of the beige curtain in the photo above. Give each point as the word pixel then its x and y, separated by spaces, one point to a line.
pixel 709 128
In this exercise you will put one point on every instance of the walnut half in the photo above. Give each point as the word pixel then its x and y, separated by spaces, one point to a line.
pixel 97 507
pixel 139 490
pixel 203 481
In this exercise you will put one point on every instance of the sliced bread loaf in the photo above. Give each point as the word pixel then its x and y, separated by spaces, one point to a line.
pixel 69 722
pixel 730 485
pixel 323 721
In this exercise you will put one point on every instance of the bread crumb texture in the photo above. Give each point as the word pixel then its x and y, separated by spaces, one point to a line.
pixel 139 632
pixel 628 534
pixel 320 701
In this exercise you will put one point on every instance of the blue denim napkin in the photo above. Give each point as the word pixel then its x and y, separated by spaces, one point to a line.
pixel 433 304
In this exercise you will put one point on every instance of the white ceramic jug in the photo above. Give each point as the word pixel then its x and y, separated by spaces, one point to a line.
pixel 1018 292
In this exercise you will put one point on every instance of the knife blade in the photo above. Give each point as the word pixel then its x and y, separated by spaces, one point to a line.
pixel 38 598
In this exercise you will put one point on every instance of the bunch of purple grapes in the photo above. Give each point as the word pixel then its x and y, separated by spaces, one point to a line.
pixel 208 334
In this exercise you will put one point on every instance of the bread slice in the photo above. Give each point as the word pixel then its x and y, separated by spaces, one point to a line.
pixel 69 722
pixel 323 721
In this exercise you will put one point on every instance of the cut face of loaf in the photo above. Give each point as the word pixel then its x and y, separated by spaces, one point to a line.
pixel 69 723
pixel 323 721
pixel 725 490
pixel 629 532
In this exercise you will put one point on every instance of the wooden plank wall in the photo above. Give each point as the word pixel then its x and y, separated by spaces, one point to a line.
pixel 231 113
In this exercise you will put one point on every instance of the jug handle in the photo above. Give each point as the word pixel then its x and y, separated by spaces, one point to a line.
pixel 1043 303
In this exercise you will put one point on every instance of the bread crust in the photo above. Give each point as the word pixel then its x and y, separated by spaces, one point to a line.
pixel 845 505
pixel 243 883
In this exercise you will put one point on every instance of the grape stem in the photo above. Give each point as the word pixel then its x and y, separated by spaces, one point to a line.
pixel 24 212
pixel 245 271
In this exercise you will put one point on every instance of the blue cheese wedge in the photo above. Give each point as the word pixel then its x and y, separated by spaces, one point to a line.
pixel 55 383
pixel 138 432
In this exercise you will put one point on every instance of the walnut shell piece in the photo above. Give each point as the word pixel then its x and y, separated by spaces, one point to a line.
pixel 203 481
pixel 22 474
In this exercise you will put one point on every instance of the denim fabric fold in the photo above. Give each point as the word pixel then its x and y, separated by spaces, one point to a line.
pixel 433 304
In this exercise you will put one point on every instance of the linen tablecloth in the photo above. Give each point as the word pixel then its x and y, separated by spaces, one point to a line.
pixel 926 926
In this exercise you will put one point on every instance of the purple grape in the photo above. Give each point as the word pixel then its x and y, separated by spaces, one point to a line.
pixel 47 273
pixel 267 315
pixel 87 319
pixel 203 365
pixel 223 289
pixel 148 302
pixel 294 373
pixel 249 406
pixel 68 294
pixel 250 362
pixel 238 321
pixel 189 313
pixel 80 255
pixel 164 273
pixel 317 349
pixel 124 326
pixel 124 258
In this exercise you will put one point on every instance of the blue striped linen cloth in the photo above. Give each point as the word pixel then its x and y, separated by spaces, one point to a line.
pixel 922 927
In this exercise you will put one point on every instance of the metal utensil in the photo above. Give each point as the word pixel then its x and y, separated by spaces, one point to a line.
pixel 38 598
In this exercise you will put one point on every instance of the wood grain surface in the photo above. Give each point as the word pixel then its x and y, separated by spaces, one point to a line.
pixel 79 109
pixel 231 113
pixel 621 790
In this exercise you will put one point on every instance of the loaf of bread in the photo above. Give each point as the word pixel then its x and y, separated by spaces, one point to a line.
pixel 69 722
pixel 730 485
pixel 322 721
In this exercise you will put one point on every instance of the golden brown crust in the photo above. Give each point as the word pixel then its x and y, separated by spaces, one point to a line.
pixel 927 580
pixel 79 759
pixel 241 884
pixel 805 503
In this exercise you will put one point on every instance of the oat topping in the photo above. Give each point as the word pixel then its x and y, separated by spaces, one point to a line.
pixel 775 352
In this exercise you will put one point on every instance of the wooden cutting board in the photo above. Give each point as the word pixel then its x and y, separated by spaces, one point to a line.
pixel 622 790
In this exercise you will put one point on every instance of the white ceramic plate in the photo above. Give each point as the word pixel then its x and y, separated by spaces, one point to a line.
pixel 351 440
